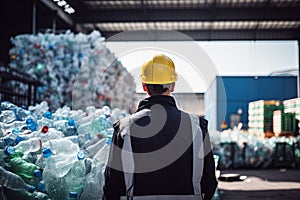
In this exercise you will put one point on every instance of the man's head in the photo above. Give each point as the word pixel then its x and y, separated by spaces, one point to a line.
pixel 158 75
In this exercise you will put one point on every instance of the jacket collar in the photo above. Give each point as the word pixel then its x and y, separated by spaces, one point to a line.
pixel 158 99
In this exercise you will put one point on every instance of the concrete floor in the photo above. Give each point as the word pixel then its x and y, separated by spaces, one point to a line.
pixel 261 185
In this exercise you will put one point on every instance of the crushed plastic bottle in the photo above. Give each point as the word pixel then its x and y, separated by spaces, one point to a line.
pixel 7 116
pixel 76 175
pixel 14 182
pixel 30 145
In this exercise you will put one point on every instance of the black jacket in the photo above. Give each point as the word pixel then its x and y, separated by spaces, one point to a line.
pixel 166 173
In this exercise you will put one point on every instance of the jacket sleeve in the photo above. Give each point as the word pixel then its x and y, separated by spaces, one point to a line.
pixel 114 186
pixel 208 182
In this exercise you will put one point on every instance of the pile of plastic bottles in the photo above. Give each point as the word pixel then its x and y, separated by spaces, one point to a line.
pixel 74 68
pixel 59 155
pixel 240 149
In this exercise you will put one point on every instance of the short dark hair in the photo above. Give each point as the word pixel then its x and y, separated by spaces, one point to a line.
pixel 157 89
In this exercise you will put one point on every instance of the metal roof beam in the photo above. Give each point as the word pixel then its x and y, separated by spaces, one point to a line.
pixel 52 6
pixel 211 14
pixel 206 35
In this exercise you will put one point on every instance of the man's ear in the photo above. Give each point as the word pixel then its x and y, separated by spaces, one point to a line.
pixel 172 87
pixel 144 87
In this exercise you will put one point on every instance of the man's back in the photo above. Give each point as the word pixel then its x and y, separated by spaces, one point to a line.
pixel 161 139
pixel 164 141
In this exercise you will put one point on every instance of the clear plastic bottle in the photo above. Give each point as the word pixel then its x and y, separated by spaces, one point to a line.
pixel 31 145
pixel 14 181
pixel 7 116
pixel 46 120
pixel 76 176
pixel 62 146
pixel 13 138
pixel 7 128
pixel 93 149
pixel 55 185
pixel 46 134
pixel 95 179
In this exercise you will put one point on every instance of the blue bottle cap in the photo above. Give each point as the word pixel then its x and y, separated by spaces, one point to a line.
pixel 15 131
pixel 80 155
pixel 41 186
pixel 32 126
pixel 71 122
pixel 108 141
pixel 48 115
pixel 9 150
pixel 87 136
pixel 31 189
pixel 47 152
pixel 19 139
pixel 73 195
pixel 29 121
pixel 37 173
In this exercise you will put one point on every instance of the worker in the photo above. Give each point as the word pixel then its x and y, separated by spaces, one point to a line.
pixel 160 152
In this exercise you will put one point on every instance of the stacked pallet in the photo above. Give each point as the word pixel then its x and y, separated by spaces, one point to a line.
pixel 261 116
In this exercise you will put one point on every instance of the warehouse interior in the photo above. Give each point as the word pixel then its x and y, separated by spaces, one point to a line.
pixel 67 62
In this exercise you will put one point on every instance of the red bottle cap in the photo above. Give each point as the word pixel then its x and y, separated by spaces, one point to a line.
pixel 45 129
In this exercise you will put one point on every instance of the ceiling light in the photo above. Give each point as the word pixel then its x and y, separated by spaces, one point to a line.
pixel 67 8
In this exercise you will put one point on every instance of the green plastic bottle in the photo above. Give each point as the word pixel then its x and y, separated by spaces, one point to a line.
pixel 23 168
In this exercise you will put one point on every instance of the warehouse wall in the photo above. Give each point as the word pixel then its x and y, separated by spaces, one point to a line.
pixel 233 93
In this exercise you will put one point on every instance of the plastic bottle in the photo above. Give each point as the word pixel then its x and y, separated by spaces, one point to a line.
pixel 18 125
pixel 4 153
pixel 31 124
pixel 64 154
pixel 103 153
pixel 95 179
pixel 13 138
pixel 76 175
pixel 92 130
pixel 39 109
pixel 61 125
pixel 62 146
pixel 14 181
pixel 22 114
pixel 93 149
pixel 55 185
pixel 46 134
pixel 41 186
pixel 115 114
pixel 47 120
pixel 7 116
pixel 30 145
pixel 6 105
pixel 24 168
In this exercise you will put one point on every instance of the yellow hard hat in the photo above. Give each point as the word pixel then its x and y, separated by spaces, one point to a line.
pixel 159 70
